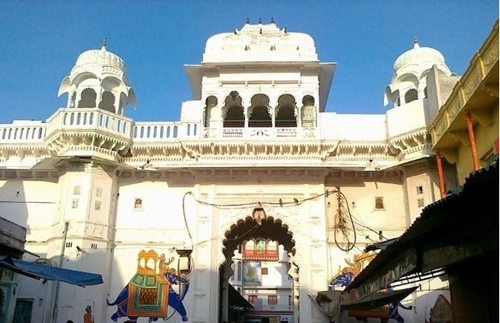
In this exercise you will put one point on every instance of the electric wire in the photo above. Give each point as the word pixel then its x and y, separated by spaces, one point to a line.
pixel 185 217
pixel 343 208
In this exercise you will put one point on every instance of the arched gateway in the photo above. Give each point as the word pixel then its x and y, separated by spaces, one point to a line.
pixel 290 227
pixel 262 227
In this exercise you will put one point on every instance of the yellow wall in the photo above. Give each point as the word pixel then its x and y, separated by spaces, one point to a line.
pixel 485 140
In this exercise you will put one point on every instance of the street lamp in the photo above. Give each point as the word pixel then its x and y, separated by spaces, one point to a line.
pixel 258 214
pixel 184 261
pixel 183 268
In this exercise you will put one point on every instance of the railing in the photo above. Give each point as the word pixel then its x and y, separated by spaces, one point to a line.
pixel 481 65
pixel 149 131
pixel 22 133
pixel 259 132
pixel 87 119
pixel 277 307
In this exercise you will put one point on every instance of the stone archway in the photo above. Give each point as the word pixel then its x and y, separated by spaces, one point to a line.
pixel 252 227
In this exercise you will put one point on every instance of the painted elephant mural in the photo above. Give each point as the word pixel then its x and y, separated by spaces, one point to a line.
pixel 342 280
pixel 149 293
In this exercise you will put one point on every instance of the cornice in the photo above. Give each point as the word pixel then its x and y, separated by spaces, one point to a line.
pixel 23 150
pixel 199 153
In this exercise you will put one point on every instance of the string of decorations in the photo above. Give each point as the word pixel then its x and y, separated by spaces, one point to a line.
pixel 345 228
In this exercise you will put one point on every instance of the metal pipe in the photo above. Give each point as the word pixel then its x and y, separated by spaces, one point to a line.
pixel 470 129
pixel 61 259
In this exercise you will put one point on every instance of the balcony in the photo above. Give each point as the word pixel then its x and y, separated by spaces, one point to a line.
pixel 90 120
pixel 164 131
pixel 258 306
pixel 88 132
pixel 22 132
pixel 259 133
pixel 476 93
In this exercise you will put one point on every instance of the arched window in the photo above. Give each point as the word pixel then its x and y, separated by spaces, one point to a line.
pixel 261 249
pixel 108 102
pixel 260 117
pixel 285 115
pixel 285 118
pixel 232 112
pixel 87 99
pixel 259 112
pixel 411 95
pixel 234 117
pixel 261 246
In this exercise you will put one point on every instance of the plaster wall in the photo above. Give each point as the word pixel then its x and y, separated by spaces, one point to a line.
pixel 29 203
pixel 406 118
pixel 192 111
pixel 485 138
pixel 420 193
pixel 356 127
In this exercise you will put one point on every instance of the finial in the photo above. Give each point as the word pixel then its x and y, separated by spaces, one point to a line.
pixel 104 43
pixel 272 20
pixel 415 42
pixel 260 31
pixel 285 30
pixel 260 20
pixel 248 21
pixel 235 32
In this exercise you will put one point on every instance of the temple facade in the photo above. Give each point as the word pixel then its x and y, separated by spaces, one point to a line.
pixel 254 157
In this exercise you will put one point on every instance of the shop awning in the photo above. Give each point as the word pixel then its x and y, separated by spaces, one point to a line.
pixel 454 229
pixel 376 299
pixel 236 300
pixel 42 271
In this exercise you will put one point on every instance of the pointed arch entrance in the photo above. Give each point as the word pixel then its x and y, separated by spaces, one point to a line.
pixel 257 226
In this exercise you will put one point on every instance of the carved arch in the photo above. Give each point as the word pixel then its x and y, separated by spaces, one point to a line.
pixel 108 102
pixel 260 112
pixel 87 98
pixel 286 112
pixel 233 113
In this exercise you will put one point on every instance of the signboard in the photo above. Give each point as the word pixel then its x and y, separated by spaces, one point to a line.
pixel 252 275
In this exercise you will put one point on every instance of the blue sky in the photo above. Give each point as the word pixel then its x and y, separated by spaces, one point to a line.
pixel 41 40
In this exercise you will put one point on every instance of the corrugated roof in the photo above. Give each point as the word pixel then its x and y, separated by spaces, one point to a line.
pixel 445 212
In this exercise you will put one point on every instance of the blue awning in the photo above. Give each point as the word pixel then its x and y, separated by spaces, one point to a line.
pixel 41 271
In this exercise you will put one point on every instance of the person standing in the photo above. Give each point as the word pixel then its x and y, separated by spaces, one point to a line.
pixel 88 318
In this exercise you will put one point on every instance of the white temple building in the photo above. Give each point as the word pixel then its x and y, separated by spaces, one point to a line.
pixel 253 156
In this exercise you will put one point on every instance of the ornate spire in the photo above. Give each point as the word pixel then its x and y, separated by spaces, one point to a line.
pixel 248 21
pixel 272 20
pixel 104 43
pixel 415 42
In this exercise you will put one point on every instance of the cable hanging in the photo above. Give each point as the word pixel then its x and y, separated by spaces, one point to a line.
pixel 341 223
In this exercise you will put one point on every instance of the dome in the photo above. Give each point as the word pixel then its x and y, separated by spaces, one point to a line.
pixel 101 57
pixel 101 63
pixel 260 42
pixel 420 56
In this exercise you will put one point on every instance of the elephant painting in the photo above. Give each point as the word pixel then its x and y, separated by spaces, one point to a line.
pixel 342 280
pixel 150 292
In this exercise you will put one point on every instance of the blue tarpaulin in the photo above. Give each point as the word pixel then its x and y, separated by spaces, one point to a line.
pixel 42 271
